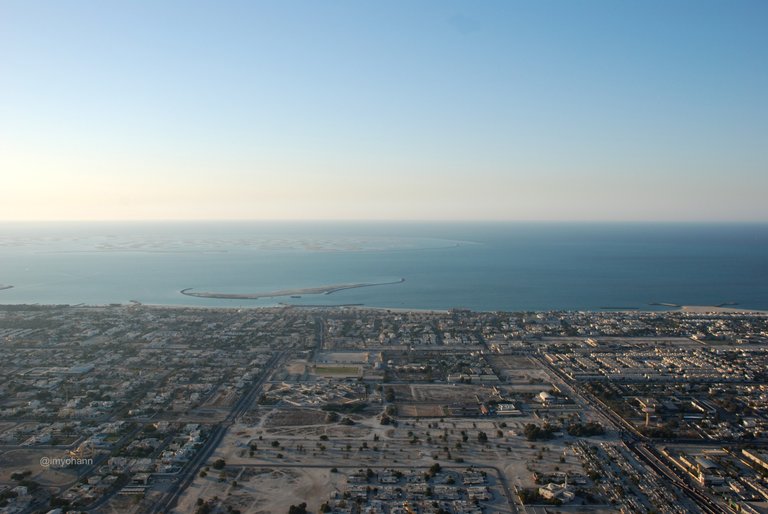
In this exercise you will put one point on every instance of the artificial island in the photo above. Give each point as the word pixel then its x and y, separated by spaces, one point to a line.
pixel 321 290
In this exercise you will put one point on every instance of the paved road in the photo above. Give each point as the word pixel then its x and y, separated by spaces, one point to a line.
pixel 642 447
pixel 190 471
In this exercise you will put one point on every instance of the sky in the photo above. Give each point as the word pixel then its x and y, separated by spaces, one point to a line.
pixel 399 110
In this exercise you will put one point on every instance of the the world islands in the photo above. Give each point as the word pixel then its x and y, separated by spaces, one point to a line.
pixel 137 409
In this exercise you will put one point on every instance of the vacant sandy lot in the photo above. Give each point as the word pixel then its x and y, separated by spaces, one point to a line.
pixel 262 490
pixel 17 461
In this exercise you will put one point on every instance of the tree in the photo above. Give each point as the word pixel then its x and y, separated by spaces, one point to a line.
pixel 482 437
pixel 533 432
pixel 58 502
pixel 300 509
pixel 219 464
pixel 586 429
pixel 20 476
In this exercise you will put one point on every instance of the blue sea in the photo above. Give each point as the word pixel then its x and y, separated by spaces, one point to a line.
pixel 480 266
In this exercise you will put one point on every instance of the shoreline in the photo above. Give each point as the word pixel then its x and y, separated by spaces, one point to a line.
pixel 683 309
pixel 699 309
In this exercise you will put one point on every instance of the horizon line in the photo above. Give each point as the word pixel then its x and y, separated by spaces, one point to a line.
pixel 384 220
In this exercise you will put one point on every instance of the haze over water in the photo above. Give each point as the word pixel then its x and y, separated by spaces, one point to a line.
pixel 490 266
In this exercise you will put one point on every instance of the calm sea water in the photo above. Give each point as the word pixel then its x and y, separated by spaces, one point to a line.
pixel 503 266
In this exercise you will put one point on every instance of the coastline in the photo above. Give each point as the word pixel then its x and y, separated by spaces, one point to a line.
pixel 702 309
pixel 405 309
pixel 689 309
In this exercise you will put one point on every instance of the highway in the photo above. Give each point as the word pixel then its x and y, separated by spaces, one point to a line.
pixel 641 446
pixel 167 503
pixel 647 454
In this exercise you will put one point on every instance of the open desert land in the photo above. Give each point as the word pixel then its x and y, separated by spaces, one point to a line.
pixel 33 462
pixel 288 456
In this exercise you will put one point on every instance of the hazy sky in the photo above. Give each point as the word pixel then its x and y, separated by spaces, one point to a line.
pixel 537 110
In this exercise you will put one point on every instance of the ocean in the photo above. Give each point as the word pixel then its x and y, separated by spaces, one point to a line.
pixel 479 266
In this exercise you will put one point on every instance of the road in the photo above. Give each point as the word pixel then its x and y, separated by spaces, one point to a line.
pixel 168 502
pixel 647 454
pixel 641 446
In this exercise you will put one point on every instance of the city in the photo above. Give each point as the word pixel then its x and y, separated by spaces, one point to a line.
pixel 132 408
pixel 434 257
